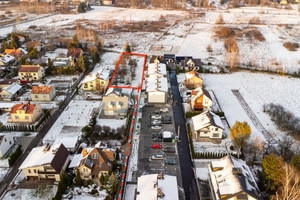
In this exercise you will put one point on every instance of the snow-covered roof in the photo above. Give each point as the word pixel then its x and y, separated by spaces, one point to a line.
pixel 13 88
pixel 148 185
pixel 38 156
pixel 101 73
pixel 206 119
pixel 232 177
pixel 75 160
pixel 6 104
pixel 155 83
pixel 5 58
pixel 154 68
pixel 68 142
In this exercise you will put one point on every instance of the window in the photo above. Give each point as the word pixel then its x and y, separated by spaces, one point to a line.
pixel 85 85
pixel 216 135
pixel 44 96
pixel 29 171
pixel 34 77
pixel 84 170
pixel 47 168
pixel 217 129
pixel 94 156
pixel 91 85
pixel 22 74
pixel 34 171
pixel 102 82
pixel 9 142
pixel 16 117
pixel 26 117
pixel 36 96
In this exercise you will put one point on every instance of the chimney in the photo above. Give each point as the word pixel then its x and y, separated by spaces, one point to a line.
pixel 84 152
pixel 47 147
pixel 90 75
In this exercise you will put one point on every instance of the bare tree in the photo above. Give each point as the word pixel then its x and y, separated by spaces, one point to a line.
pixel 290 188
pixel 255 150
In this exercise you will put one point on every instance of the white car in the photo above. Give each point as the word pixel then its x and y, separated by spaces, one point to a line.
pixel 156 127
pixel 156 122
pixel 164 110
pixel 156 157
pixel 156 117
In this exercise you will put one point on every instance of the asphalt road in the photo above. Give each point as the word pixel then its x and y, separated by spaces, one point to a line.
pixel 35 142
pixel 187 173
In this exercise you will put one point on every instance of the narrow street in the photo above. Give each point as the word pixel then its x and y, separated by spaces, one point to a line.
pixel 187 173
pixel 35 142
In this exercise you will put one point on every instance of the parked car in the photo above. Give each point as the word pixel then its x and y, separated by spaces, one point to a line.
pixel 156 146
pixel 156 117
pixel 156 127
pixel 157 135
pixel 169 150
pixel 156 139
pixel 156 157
pixel 164 110
pixel 170 161
pixel 156 113
pixel 156 122
pixel 167 120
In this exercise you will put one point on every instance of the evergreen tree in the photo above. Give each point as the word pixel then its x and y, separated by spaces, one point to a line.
pixel 4 45
pixel 13 44
pixel 81 8
pixel 117 154
pixel 95 57
pixel 273 170
pixel 101 180
pixel 128 49
pixel 296 161
pixel 99 47
pixel 105 179
pixel 81 63
pixel 33 54
pixel 78 180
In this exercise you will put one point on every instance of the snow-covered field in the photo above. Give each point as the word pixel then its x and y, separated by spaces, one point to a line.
pixel 257 89
pixel 76 115
pixel 33 194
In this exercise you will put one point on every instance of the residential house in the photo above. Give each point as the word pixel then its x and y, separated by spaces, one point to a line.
pixel 96 81
pixel 190 64
pixel 208 127
pixel 157 89
pixel 25 113
pixel 193 79
pixel 11 92
pixel 74 53
pixel 115 103
pixel 231 178
pixel 63 62
pixel 8 82
pixel 95 162
pixel 157 186
pixel 160 70
pixel 6 142
pixel 169 58
pixel 42 93
pixel 16 52
pixel 157 59
pixel 178 59
pixel 201 99
pixel 21 38
pixel 28 73
pixel 46 162
pixel 6 59
pixel 33 44
pixel 70 142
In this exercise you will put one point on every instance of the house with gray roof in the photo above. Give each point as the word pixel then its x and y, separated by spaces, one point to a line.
pixel 10 92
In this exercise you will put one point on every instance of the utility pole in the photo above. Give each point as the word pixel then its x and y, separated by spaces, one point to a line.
pixel 178 139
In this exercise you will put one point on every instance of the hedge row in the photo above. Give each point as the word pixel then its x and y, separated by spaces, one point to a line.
pixel 212 155
pixel 14 156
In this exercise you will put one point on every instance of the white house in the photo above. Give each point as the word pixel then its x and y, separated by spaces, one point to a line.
pixel 6 142
pixel 155 186
pixel 157 89
pixel 207 125
pixel 157 69
pixel 201 99
pixel 5 59
pixel 231 178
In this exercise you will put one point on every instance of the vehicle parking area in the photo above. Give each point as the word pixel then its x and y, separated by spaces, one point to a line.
pixel 147 135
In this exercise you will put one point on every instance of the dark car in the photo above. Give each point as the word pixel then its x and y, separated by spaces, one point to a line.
pixel 157 135
pixel 167 120
pixel 156 139
pixel 170 161
pixel 169 150
pixel 156 113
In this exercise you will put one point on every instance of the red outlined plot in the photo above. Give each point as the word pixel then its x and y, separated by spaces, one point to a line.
pixel 135 54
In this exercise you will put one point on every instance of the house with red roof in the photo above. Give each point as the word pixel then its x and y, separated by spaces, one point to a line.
pixel 193 79
pixel 25 113
pixel 28 73
pixel 42 93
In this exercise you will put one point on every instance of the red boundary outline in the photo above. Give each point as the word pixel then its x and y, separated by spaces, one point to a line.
pixel 113 86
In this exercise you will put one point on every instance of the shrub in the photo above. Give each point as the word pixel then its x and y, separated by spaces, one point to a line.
pixel 220 114
pixel 191 114
pixel 224 32
pixel 231 148
pixel 231 45
pixel 14 156
pixel 291 46
pixel 254 20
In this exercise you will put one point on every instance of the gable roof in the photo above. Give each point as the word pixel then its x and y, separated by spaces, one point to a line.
pixel 32 44
pixel 206 119
pixel 74 52
pixel 180 58
pixel 13 88
pixel 56 156
pixel 28 108
pixel 199 91
pixel 160 58
pixel 16 52
pixel 8 81
pixel 5 58
pixel 29 68
pixel 192 74
pixel 41 89
pixel 186 61
pixel 100 73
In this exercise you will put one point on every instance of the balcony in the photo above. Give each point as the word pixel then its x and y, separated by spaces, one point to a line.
pixel 47 172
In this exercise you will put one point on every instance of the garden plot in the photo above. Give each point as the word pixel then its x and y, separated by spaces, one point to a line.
pixel 59 52
pixel 76 115
pixel 257 89
pixel 43 192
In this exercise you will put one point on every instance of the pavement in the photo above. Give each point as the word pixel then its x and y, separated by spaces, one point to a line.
pixel 186 166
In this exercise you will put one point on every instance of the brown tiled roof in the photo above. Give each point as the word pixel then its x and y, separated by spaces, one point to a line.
pixel 74 52
pixel 29 68
pixel 33 44
pixel 13 52
pixel 28 107
pixel 41 89
pixel 60 158
pixel 195 74
pixel 8 81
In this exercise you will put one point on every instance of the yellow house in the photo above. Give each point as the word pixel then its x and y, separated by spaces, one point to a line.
pixel 25 113
pixel 28 73
pixel 115 103
pixel 46 162
pixel 96 81
pixel 95 163
pixel 42 93
pixel 193 79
